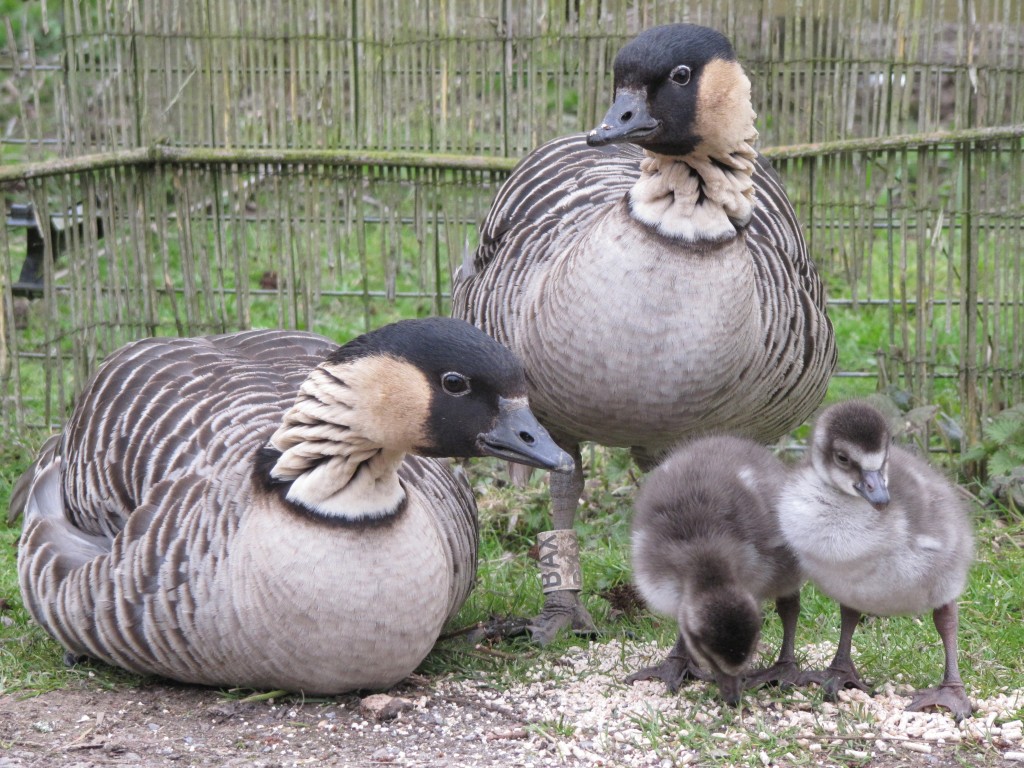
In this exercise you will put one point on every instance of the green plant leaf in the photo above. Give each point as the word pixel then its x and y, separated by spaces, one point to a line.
pixel 1005 429
pixel 1002 463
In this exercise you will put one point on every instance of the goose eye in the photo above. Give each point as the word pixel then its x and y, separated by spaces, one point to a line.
pixel 455 384
pixel 680 75
pixel 842 458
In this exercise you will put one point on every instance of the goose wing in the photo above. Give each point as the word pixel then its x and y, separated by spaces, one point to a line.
pixel 162 409
pixel 552 195
pixel 159 448
pixel 799 343
pixel 560 186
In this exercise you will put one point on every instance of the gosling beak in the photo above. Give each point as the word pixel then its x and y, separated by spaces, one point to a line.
pixel 873 488
pixel 730 688
pixel 518 436
pixel 627 120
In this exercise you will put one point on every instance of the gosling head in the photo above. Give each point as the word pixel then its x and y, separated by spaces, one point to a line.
pixel 721 628
pixel 679 89
pixel 850 450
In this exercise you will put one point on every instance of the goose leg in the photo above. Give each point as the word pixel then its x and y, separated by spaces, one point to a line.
pixel 950 692
pixel 562 606
pixel 784 671
pixel 840 673
pixel 674 670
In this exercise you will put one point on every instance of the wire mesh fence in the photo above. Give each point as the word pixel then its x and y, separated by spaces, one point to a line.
pixel 196 167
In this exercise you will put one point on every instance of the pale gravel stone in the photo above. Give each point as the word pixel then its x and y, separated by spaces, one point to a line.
pixel 915 746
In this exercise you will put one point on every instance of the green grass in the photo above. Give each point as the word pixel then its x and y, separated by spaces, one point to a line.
pixel 992 643
pixel 992 637
pixel 900 649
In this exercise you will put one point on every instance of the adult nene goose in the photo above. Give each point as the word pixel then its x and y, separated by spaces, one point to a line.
pixel 240 510
pixel 881 531
pixel 653 279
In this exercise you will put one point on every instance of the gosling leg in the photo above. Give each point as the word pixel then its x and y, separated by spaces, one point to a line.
pixel 950 692
pixel 784 672
pixel 840 673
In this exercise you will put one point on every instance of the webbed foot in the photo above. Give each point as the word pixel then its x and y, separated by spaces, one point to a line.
pixel 784 674
pixel 562 609
pixel 676 669
pixel 834 679
pixel 72 659
pixel 497 628
pixel 949 696
pixel 673 672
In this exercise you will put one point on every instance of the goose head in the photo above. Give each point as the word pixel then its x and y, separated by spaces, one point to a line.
pixel 436 387
pixel 850 451
pixel 679 90
pixel 721 627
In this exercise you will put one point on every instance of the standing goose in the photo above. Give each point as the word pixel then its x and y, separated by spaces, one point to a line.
pixel 653 279
pixel 882 532
pixel 240 510
pixel 707 551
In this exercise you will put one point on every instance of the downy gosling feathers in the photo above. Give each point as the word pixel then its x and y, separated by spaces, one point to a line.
pixel 882 532
pixel 652 275
pixel 243 510
pixel 707 551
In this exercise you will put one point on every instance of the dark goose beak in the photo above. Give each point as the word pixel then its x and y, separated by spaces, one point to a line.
pixel 627 120
pixel 518 436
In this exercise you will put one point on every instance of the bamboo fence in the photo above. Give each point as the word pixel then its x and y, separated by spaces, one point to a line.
pixel 199 166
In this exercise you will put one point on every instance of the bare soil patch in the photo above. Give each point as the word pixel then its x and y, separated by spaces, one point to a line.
pixel 575 711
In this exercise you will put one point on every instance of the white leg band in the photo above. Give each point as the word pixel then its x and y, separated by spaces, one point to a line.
pixel 559 555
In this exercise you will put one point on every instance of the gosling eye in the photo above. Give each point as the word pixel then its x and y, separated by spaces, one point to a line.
pixel 455 384
pixel 680 75
pixel 842 459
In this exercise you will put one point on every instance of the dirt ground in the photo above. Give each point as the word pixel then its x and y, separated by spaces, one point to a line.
pixel 160 725
pixel 167 725
pixel 420 723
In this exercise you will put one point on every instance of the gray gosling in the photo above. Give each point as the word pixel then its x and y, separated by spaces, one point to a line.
pixel 247 510
pixel 882 532
pixel 707 551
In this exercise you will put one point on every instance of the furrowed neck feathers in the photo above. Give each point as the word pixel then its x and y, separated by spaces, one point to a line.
pixel 341 446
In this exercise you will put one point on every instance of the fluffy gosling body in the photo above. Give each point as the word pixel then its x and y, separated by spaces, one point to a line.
pixel 882 532
pixel 707 551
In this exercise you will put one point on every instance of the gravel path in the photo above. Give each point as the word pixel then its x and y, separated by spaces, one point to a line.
pixel 574 711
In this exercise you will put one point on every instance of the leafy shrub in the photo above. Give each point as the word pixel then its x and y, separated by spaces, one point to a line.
pixel 1002 450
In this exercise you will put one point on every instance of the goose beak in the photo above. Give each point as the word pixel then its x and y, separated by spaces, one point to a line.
pixel 627 120
pixel 518 436
pixel 873 488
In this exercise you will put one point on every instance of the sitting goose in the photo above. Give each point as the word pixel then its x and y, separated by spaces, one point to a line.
pixel 655 289
pixel 707 551
pixel 240 510
pixel 882 532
